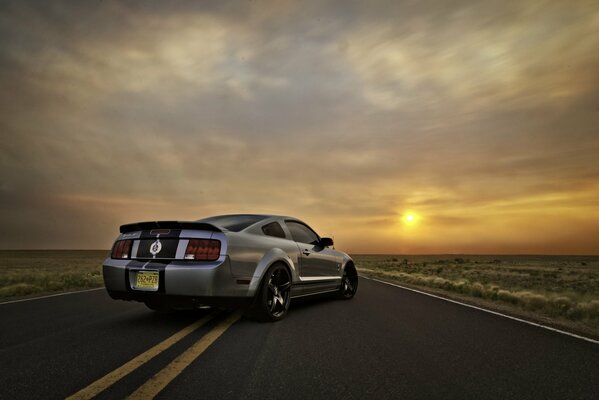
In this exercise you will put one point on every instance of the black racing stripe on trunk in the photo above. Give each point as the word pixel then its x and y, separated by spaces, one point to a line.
pixel 168 250
pixel 169 239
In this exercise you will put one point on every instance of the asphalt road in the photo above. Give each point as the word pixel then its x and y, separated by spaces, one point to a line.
pixel 386 343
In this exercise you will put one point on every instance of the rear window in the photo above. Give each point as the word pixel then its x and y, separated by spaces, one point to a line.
pixel 233 223
pixel 273 229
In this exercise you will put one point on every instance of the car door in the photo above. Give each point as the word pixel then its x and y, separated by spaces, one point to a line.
pixel 319 265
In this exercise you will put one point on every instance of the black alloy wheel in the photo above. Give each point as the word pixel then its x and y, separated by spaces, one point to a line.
pixel 275 294
pixel 349 283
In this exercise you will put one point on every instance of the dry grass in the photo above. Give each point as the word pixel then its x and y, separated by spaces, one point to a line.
pixel 31 272
pixel 562 289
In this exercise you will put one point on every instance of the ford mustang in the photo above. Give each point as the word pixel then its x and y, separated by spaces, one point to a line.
pixel 259 262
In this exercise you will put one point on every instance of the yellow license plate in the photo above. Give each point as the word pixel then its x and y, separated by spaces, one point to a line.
pixel 146 280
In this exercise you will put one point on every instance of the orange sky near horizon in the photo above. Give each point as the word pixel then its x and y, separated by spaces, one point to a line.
pixel 398 127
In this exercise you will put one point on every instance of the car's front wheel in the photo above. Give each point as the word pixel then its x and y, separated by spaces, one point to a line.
pixel 349 283
pixel 272 301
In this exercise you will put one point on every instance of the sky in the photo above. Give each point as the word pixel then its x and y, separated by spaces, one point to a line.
pixel 398 127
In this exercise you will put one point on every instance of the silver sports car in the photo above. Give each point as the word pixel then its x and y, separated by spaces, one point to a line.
pixel 257 261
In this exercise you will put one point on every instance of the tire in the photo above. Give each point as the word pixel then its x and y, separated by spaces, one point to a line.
pixel 272 301
pixel 349 283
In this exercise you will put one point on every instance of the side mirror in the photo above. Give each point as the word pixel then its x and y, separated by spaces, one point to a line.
pixel 325 242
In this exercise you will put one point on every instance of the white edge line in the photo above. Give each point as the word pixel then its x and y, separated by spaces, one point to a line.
pixel 50 295
pixel 485 310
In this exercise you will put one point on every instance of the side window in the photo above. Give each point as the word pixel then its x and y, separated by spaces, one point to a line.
pixel 301 233
pixel 273 229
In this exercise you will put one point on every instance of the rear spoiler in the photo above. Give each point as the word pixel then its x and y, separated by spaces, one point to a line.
pixel 146 226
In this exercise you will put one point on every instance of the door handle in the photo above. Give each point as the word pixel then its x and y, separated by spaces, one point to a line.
pixel 306 252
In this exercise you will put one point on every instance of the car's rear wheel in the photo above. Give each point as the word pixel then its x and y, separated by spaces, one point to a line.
pixel 349 283
pixel 272 301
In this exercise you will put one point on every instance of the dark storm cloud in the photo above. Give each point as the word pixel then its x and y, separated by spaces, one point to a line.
pixel 342 112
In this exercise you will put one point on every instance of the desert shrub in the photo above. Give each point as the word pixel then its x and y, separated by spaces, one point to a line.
pixel 448 285
pixel 561 305
pixel 507 296
pixel 461 286
pixel 533 301
pixel 439 282
pixel 586 310
pixel 491 292
pixel 477 289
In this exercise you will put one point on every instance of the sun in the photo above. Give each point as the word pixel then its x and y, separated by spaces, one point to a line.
pixel 409 218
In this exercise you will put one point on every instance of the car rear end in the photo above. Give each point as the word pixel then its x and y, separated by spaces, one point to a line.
pixel 173 264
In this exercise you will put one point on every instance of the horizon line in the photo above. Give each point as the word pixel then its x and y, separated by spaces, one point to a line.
pixel 384 254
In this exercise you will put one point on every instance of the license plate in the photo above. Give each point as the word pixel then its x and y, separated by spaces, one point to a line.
pixel 146 280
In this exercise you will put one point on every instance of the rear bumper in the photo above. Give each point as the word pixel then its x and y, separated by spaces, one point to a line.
pixel 192 283
pixel 182 302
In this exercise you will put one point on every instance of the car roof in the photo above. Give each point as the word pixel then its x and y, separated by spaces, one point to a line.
pixel 241 222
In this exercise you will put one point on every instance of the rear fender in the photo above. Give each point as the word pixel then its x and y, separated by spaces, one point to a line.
pixel 271 257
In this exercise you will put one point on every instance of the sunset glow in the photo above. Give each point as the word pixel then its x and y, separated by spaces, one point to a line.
pixel 394 126
pixel 409 219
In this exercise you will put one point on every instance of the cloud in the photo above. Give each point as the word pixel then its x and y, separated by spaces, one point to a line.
pixel 477 56
pixel 480 117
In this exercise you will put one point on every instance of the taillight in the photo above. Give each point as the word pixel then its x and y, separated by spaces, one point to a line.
pixel 203 250
pixel 121 249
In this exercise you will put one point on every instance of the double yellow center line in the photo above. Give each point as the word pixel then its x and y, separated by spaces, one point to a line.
pixel 159 381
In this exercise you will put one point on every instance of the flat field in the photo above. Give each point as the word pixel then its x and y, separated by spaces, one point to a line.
pixel 562 291
pixel 33 272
